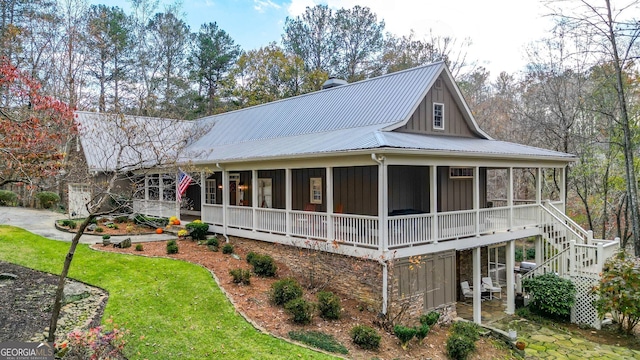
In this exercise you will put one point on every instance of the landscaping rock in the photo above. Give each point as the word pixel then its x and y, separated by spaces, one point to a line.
pixel 8 276
pixel 92 227
pixel 122 243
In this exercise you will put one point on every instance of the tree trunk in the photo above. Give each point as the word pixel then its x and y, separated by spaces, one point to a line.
pixel 57 305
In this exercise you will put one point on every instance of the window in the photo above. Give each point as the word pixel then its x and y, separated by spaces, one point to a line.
pixel 316 190
pixel 438 116
pixel 153 187
pixel 460 173
pixel 168 187
pixel 210 192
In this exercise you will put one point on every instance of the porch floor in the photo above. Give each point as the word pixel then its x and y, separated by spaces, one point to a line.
pixel 492 310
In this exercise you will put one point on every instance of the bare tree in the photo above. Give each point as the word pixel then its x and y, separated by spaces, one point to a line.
pixel 614 34
pixel 120 149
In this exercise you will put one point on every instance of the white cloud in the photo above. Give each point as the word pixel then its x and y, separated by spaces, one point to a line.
pixel 263 5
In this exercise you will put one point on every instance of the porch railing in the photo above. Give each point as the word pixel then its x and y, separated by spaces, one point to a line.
pixel 402 230
pixel 271 220
pixel 159 208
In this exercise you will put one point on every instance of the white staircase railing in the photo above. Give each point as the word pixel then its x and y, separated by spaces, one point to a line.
pixel 568 222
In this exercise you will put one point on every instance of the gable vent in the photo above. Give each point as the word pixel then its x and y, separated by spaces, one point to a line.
pixel 333 82
pixel 438 83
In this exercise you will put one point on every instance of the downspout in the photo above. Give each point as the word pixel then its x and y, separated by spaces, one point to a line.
pixel 382 260
pixel 224 206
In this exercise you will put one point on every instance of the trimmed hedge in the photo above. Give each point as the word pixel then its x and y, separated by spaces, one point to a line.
pixel 8 198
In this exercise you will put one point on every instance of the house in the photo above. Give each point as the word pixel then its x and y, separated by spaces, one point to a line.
pixel 393 181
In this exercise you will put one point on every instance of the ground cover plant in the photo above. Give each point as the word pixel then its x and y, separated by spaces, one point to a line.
pixel 173 309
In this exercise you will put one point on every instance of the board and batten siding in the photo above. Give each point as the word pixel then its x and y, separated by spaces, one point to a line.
pixel 300 184
pixel 422 119
pixel 278 187
pixel 457 194
pixel 356 189
pixel 408 188
pixel 434 277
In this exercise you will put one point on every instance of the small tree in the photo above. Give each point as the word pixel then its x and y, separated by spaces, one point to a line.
pixel 553 296
pixel 619 291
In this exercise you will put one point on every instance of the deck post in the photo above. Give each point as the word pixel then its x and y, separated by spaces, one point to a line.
pixel 600 256
pixel 510 265
pixel 203 193
pixel 563 188
pixel 288 196
pixel 383 202
pixel 476 197
pixel 538 185
pixel 225 199
pixel 477 286
pixel 254 198
pixel 433 202
pixel 538 244
pixel 510 196
pixel 330 225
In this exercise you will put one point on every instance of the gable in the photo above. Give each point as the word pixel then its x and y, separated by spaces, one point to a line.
pixel 454 121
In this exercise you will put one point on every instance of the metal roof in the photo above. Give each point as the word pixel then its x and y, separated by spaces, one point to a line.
pixel 118 142
pixel 382 101
pixel 348 118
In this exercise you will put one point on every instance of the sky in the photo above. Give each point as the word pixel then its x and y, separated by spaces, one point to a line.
pixel 500 30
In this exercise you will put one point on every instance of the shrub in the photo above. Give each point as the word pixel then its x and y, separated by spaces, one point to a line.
pixel 519 256
pixel 139 247
pixel 531 253
pixel 121 219
pixel 404 334
pixel 250 256
pixel 99 229
pixel 106 237
pixel 241 276
pixel 301 309
pixel 198 230
pixel 8 198
pixel 112 226
pixel 285 290
pixel 329 305
pixel 319 340
pixel 263 265
pixel 459 346
pixel 619 290
pixel 47 199
pixel 430 318
pixel 365 337
pixel 172 247
pixel 227 249
pixel 552 295
pixel 466 329
pixel 422 331
pixel 213 243
pixel 69 223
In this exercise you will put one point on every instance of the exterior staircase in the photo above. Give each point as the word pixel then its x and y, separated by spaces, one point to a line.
pixel 572 253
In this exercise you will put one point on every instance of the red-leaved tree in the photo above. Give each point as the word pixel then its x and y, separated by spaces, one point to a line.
pixel 34 129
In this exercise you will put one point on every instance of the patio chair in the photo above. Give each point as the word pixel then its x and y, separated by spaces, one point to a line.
pixel 487 285
pixel 466 290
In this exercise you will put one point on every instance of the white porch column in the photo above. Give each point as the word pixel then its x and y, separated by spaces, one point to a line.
pixel 176 198
pixel 254 197
pixel 287 196
pixel 477 286
pixel 329 180
pixel 538 186
pixel 383 205
pixel 563 188
pixel 203 191
pixel 510 196
pixel 433 201
pixel 510 265
pixel 225 199
pixel 476 197
pixel 538 244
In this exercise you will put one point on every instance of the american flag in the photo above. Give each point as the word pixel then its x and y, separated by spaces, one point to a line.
pixel 184 180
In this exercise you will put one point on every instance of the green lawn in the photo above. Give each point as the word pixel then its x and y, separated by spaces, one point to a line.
pixel 175 306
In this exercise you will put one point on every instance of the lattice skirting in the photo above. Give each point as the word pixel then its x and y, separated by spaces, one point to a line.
pixel 583 312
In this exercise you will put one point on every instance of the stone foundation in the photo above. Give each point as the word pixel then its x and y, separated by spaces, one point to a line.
pixel 356 278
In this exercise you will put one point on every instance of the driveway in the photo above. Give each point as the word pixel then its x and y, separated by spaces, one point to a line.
pixel 41 222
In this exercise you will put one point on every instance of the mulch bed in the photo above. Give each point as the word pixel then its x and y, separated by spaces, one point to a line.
pixel 253 302
pixel 25 303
